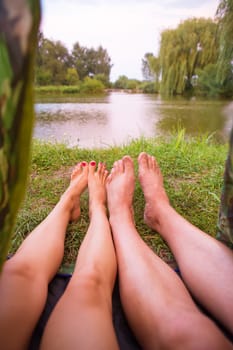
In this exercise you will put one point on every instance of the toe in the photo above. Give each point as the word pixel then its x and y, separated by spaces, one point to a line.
pixel 109 179
pixel 84 167
pixel 128 163
pixel 92 167
pixel 151 162
pixel 143 160
pixel 76 170
pixel 105 175
pixel 155 164
pixel 118 166
pixel 101 169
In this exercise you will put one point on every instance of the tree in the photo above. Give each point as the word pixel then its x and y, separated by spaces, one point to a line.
pixel 79 55
pixel 72 77
pixel 91 62
pixel 224 16
pixel 121 82
pixel 52 62
pixel 193 45
pixel 146 67
pixel 155 67
pixel 18 39
pixel 207 84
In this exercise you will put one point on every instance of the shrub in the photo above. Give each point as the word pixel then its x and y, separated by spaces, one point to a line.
pixel 92 86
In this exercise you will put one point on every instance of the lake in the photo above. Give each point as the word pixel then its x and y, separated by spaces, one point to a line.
pixel 117 118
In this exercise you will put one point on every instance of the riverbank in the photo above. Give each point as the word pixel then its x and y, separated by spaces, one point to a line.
pixel 94 87
pixel 193 172
pixel 87 87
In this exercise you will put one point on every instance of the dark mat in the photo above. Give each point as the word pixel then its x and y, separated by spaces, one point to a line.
pixel 57 286
pixel 126 338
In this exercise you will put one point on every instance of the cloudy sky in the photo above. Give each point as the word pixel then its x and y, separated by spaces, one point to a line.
pixel 126 28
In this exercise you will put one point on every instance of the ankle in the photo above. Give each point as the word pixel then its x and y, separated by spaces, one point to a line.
pixel 155 213
pixel 96 208
pixel 118 215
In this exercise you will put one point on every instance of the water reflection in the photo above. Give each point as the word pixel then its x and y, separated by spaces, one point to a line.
pixel 197 117
pixel 80 124
pixel 117 118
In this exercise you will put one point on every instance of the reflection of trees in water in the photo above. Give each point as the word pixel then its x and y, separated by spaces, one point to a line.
pixel 195 120
pixel 82 117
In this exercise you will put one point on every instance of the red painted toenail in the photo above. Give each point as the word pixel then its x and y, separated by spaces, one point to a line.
pixel 84 163
pixel 93 163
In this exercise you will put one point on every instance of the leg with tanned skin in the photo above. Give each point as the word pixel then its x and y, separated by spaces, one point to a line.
pixel 82 319
pixel 156 302
pixel 206 264
pixel 25 277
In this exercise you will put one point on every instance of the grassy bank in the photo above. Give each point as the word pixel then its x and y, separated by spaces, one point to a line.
pixel 192 172
pixel 88 86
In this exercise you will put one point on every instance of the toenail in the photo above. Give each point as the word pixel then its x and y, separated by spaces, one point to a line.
pixel 93 163
pixel 84 163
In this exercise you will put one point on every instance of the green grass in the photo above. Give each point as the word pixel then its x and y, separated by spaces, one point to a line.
pixel 57 89
pixel 193 173
pixel 86 87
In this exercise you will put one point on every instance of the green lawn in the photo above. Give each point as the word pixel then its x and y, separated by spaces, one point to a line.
pixel 193 174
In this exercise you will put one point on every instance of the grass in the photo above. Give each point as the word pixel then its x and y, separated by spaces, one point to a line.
pixel 193 173
pixel 88 86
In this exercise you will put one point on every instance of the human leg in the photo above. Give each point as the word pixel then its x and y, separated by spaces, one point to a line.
pixel 25 277
pixel 206 264
pixel 156 302
pixel 82 319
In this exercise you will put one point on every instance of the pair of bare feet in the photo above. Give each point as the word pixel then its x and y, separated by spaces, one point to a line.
pixel 118 187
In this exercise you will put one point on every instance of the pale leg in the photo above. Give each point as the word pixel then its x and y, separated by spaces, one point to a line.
pixel 206 264
pixel 25 277
pixel 82 319
pixel 156 302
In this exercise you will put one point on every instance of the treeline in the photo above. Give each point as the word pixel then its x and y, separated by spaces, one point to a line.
pixel 195 58
pixel 56 66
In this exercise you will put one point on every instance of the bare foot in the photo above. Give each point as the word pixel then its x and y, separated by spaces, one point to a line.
pixel 78 183
pixel 151 180
pixel 120 186
pixel 96 184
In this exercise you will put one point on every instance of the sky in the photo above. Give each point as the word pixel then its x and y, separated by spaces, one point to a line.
pixel 127 29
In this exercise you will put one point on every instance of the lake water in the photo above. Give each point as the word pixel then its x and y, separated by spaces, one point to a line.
pixel 117 118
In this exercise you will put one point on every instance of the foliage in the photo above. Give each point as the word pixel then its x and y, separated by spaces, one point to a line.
pixel 193 45
pixel 146 67
pixel 151 68
pixel 52 62
pixel 55 65
pixel 209 85
pixel 132 84
pixel 125 83
pixel 92 86
pixel 17 49
pixel 103 78
pixel 58 89
pixel 224 15
pixel 192 172
pixel 88 86
pixel 149 87
pixel 91 62
pixel 121 82
pixel 72 77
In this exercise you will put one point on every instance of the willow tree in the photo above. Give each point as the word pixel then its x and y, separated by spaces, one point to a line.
pixel 194 44
pixel 225 17
pixel 19 21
